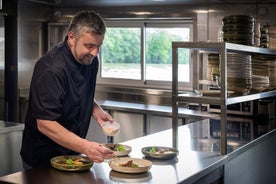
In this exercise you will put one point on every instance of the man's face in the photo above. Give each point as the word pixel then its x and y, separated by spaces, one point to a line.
pixel 85 47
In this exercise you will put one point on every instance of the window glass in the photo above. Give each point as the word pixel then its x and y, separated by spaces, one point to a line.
pixel 121 53
pixel 159 53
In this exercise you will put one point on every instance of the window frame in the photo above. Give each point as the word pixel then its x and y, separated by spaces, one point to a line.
pixel 143 24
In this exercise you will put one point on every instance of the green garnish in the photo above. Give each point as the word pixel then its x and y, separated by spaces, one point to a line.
pixel 152 150
pixel 129 163
pixel 69 161
pixel 134 165
pixel 120 148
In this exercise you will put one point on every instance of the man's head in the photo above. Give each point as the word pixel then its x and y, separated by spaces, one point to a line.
pixel 87 21
pixel 85 36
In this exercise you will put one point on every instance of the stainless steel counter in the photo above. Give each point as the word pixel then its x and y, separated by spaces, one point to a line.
pixel 6 126
pixel 10 143
pixel 198 160
pixel 186 167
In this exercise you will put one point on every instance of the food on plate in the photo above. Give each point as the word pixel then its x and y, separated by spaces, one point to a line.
pixel 117 147
pixel 152 150
pixel 129 163
pixel 73 161
pixel 160 151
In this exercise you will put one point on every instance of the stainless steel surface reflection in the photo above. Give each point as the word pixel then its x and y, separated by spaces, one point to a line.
pixel 129 178
pixel 162 162
pixel 134 94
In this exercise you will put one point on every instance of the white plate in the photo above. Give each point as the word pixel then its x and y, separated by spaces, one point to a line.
pixel 59 163
pixel 118 153
pixel 161 152
pixel 143 165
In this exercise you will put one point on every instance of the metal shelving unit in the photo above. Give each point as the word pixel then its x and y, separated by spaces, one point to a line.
pixel 223 100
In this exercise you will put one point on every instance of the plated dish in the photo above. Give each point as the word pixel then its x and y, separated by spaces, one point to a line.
pixel 159 152
pixel 71 163
pixel 130 165
pixel 119 149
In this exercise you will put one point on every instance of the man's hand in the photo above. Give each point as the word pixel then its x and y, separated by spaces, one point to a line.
pixel 97 152
pixel 100 115
pixel 94 151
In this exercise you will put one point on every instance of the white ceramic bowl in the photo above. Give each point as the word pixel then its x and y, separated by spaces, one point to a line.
pixel 111 128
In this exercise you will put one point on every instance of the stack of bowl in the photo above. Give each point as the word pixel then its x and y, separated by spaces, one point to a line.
pixel 238 29
pixel 257 34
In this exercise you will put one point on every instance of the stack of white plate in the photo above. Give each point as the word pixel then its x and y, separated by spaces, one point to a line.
pixel 272 37
pixel 257 34
pixel 265 67
pixel 260 83
pixel 239 73
pixel 260 78
pixel 272 73
pixel 264 40
pixel 213 67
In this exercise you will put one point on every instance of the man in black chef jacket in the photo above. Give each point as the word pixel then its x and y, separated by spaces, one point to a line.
pixel 61 99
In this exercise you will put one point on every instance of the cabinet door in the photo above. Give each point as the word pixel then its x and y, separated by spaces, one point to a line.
pixel 131 128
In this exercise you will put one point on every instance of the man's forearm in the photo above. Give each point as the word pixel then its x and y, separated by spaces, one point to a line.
pixel 60 135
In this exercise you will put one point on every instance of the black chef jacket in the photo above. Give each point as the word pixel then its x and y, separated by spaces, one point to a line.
pixel 61 90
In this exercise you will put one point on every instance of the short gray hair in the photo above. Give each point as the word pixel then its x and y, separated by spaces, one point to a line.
pixel 87 21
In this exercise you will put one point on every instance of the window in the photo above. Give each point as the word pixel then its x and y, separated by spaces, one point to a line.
pixel 140 53
pixel 121 56
pixel 159 53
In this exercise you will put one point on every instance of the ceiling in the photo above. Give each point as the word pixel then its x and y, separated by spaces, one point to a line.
pixel 83 3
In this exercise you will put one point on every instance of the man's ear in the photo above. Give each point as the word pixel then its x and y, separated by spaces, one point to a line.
pixel 71 36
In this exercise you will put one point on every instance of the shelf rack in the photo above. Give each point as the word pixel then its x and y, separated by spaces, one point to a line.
pixel 223 100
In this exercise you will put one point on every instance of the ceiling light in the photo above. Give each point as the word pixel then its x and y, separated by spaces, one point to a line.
pixel 142 13
pixel 204 11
